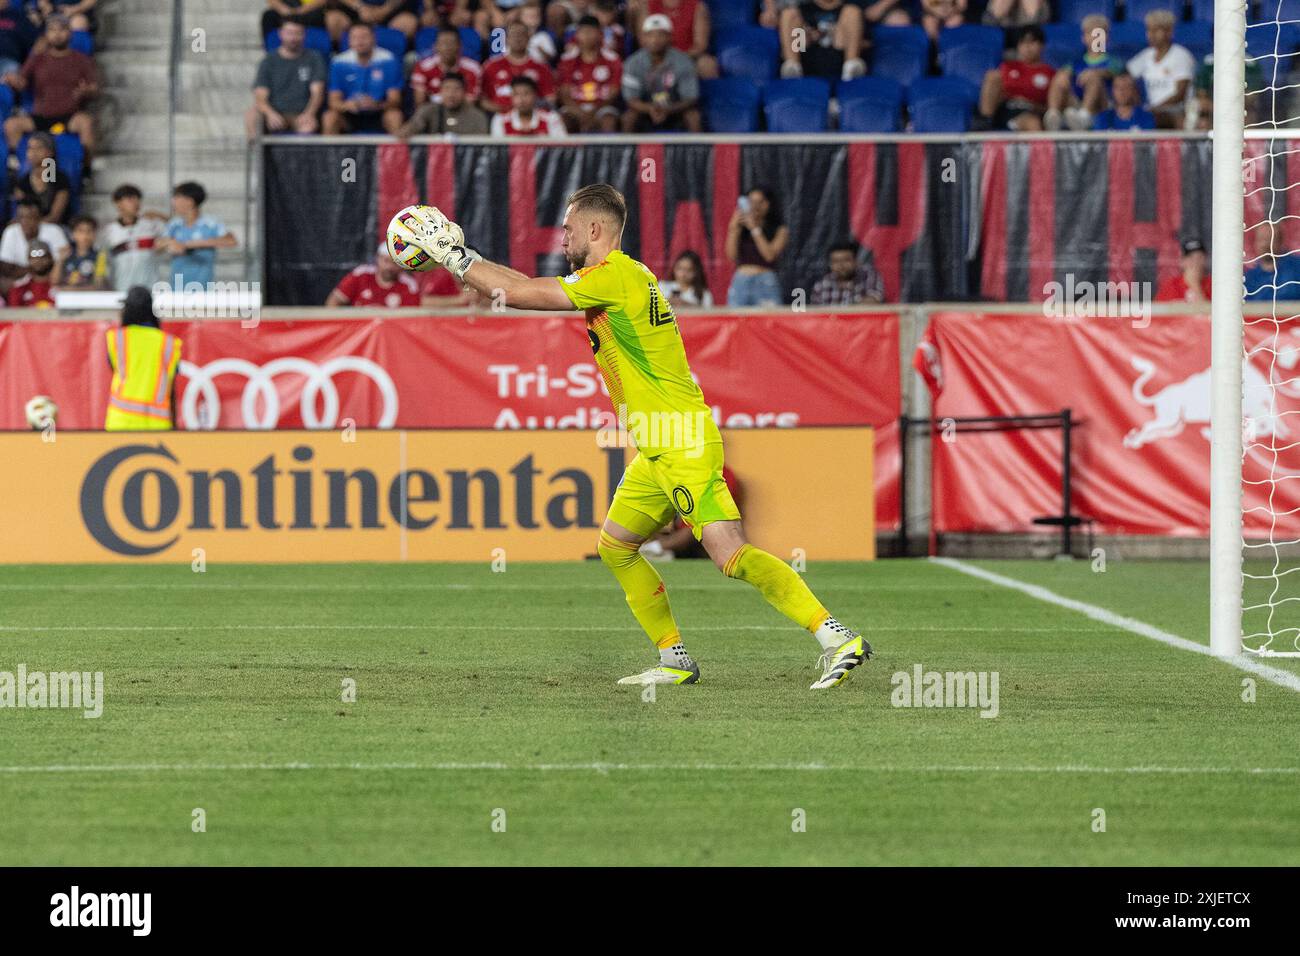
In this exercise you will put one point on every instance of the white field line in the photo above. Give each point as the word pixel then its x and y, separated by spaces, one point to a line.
pixel 544 628
pixel 433 586
pixel 1274 675
pixel 641 768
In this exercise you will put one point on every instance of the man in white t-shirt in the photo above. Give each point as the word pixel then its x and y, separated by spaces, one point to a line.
pixel 1167 69
pixel 19 234
pixel 132 240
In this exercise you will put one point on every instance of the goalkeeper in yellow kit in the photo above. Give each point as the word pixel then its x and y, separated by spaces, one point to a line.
pixel 639 352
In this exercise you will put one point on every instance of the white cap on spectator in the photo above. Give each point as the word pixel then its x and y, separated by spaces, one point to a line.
pixel 382 250
pixel 657 21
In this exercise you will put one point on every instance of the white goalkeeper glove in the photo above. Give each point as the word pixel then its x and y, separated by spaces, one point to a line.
pixel 444 241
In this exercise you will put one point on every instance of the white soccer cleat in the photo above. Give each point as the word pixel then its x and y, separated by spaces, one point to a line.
pixel 664 674
pixel 835 664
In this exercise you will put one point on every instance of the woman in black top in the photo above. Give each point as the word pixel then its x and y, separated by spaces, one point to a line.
pixel 43 183
pixel 756 237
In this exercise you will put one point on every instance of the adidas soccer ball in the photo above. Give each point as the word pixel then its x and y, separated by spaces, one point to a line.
pixel 401 240
pixel 41 411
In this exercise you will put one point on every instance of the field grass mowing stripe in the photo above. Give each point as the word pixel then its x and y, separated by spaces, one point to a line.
pixel 1272 674
pixel 640 768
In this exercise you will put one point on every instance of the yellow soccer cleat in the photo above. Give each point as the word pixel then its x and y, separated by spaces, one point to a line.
pixel 664 674
pixel 836 664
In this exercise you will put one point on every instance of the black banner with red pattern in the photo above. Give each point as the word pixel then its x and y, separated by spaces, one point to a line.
pixel 979 220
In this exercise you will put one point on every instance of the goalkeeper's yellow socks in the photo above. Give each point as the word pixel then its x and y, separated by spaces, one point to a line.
pixel 786 592
pixel 646 596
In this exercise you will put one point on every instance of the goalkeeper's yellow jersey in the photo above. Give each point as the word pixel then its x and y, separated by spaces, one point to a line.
pixel 640 355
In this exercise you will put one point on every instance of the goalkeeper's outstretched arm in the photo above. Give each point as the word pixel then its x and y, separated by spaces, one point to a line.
pixel 517 290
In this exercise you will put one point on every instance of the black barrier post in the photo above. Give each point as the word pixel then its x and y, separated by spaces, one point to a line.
pixel 903 422
pixel 1067 515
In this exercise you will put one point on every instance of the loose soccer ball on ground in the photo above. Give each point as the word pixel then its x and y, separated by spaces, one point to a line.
pixel 40 411
pixel 402 233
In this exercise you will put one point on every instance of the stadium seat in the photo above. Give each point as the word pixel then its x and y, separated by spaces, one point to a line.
pixel 6 101
pixel 471 44
pixel 870 104
pixel 318 39
pixel 730 104
pixel 82 42
pixel 1264 39
pixel 1058 55
pixel 797 105
pixel 940 105
pixel 1073 11
pixel 728 15
pixel 900 53
pixel 424 41
pixel 970 34
pixel 1127 40
pixel 751 52
pixel 969 63
pixel 1063 43
pixel 1197 36
pixel 1269 11
pixel 1135 11
pixel 394 41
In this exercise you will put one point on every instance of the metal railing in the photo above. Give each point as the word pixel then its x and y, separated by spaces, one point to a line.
pixel 174 86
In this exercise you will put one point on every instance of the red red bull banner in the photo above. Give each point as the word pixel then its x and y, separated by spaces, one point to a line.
pixel 778 370
pixel 1141 390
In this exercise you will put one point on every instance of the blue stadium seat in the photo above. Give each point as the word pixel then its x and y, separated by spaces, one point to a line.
pixel 1269 11
pixel 394 41
pixel 317 39
pixel 728 15
pixel 1061 54
pixel 6 102
pixel 1135 11
pixel 900 53
pixel 1127 39
pixel 1265 39
pixel 797 105
pixel 970 34
pixel 424 40
pixel 1073 11
pixel 730 104
pixel 1063 33
pixel 870 104
pixel 751 52
pixel 940 105
pixel 82 42
pixel 471 43
pixel 969 63
pixel 1197 36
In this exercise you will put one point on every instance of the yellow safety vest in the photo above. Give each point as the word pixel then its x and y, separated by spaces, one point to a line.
pixel 144 361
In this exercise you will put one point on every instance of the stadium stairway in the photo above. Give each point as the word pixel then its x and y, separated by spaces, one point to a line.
pixel 134 42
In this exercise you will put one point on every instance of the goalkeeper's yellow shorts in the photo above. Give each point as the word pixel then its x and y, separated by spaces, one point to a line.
pixel 691 485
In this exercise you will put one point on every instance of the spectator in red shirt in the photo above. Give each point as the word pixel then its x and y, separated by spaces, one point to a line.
pixel 527 118
pixel 690 33
pixel 501 71
pixel 440 290
pixel 1192 284
pixel 1014 95
pixel 33 289
pixel 426 78
pixel 381 284
pixel 590 78
pixel 62 82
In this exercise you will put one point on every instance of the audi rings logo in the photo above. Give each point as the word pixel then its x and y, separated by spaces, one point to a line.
pixel 260 403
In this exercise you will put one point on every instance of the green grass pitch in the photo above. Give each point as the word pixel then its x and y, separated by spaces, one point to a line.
pixel 479 692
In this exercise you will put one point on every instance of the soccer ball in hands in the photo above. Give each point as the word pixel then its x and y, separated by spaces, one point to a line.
pixel 408 232
pixel 41 411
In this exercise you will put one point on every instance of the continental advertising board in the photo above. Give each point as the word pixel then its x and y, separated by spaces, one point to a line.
pixel 430 495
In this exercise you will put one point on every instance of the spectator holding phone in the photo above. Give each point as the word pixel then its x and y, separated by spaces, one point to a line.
pixel 756 237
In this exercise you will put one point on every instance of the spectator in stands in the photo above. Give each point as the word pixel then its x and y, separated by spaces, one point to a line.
pixel 590 80
pixel 1200 111
pixel 939 15
pixel 132 240
pixel 403 15
pixel 500 13
pixel 17 36
pixel 34 289
pixel 440 290
pixel 83 265
pixel 63 82
pixel 885 13
pixel 1271 276
pixel 1010 14
pixel 1014 94
pixel 80 14
pixel 447 57
pixel 1167 69
pixel 659 83
pixel 193 238
pixel 308 13
pixel 43 183
pixel 848 282
pixel 756 237
pixel 1127 113
pixel 452 15
pixel 822 38
pixel 527 117
pixel 690 29
pixel 381 284
pixel 18 236
pixel 611 22
pixel 541 44
pixel 1192 284
pixel 500 72
pixel 456 113
pixel 688 288
pixel 1081 90
pixel 365 88
pixel 289 90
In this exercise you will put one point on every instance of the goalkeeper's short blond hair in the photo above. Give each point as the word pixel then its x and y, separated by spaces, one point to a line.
pixel 601 198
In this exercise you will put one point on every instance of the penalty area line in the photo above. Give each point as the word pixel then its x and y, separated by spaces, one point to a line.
pixel 1273 675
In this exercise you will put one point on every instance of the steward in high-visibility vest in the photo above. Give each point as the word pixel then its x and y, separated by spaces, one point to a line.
pixel 144 360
